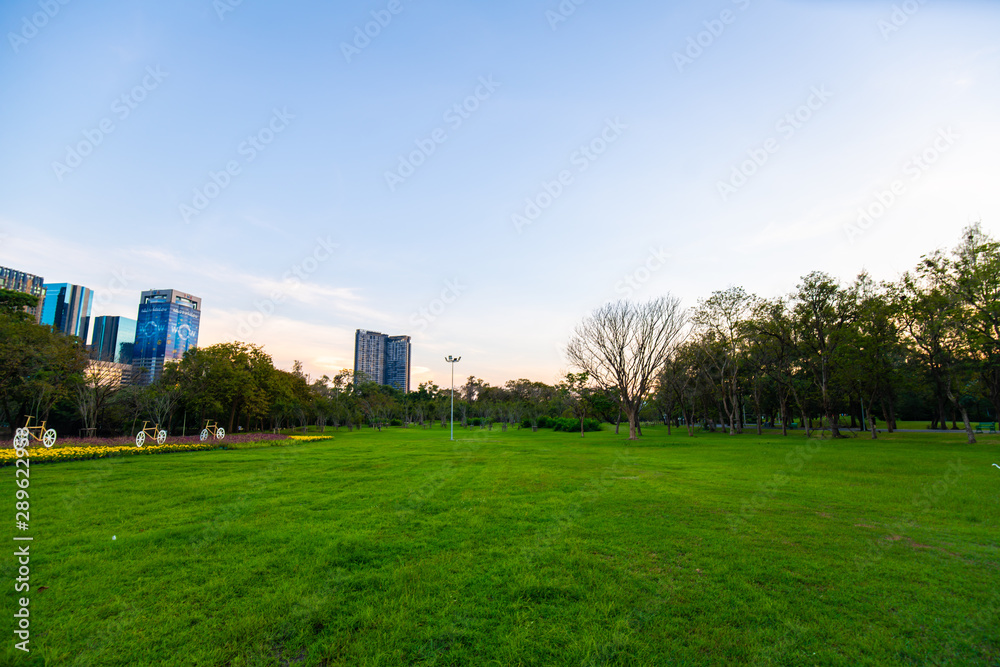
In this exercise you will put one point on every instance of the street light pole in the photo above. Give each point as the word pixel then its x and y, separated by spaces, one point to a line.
pixel 452 360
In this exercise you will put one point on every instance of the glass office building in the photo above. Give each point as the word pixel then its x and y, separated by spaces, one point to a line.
pixel 383 359
pixel 67 308
pixel 166 328
pixel 113 339
pixel 26 283
pixel 397 362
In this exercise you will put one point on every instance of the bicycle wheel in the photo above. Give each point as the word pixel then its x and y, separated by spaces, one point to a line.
pixel 49 438
pixel 140 438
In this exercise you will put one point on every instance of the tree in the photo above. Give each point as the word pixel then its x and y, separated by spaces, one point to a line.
pixel 623 345
pixel 973 278
pixel 15 304
pixel 573 391
pixel 38 367
pixel 95 389
pixel 822 313
pixel 678 380
pixel 228 379
pixel 933 324
pixel 772 336
pixel 871 357
pixel 720 333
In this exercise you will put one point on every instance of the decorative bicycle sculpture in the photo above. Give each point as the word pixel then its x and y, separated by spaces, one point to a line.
pixel 153 433
pixel 212 428
pixel 24 436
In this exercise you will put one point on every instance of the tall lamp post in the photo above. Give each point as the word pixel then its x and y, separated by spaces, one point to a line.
pixel 452 360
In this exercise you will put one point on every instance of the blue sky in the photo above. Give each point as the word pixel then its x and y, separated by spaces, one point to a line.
pixel 819 107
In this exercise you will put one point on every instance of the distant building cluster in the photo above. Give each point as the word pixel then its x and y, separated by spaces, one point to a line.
pixel 166 325
pixel 383 359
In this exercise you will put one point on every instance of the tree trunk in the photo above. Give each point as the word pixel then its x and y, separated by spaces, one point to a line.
pixel 633 423
pixel 834 425
pixel 968 427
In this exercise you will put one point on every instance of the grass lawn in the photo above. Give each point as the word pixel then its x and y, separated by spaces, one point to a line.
pixel 519 548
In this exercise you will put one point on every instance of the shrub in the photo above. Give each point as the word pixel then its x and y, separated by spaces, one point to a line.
pixel 564 424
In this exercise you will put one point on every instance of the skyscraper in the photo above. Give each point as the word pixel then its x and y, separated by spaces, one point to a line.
pixel 67 308
pixel 113 339
pixel 397 362
pixel 19 281
pixel 383 359
pixel 167 327
pixel 369 355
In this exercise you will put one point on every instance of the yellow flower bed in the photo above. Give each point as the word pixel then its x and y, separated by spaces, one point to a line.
pixel 311 438
pixel 42 455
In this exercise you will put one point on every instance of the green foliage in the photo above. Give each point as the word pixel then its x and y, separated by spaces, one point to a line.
pixel 13 303
pixel 38 368
pixel 564 424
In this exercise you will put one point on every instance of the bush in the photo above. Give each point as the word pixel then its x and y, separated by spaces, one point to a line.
pixel 565 424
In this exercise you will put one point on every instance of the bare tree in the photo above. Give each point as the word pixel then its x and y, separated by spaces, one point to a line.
pixel 100 381
pixel 623 345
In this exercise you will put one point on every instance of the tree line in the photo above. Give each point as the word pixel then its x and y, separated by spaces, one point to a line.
pixel 827 355
pixel 841 355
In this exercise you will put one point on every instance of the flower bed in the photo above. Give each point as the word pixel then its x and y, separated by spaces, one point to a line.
pixel 81 449
pixel 310 438
pixel 129 441
pixel 55 454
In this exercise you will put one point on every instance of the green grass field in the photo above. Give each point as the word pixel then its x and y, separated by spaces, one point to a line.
pixel 519 548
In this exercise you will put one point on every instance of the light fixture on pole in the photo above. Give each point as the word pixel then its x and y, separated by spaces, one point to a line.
pixel 452 360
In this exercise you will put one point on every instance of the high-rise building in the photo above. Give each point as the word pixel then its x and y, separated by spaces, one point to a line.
pixel 19 281
pixel 369 355
pixel 167 327
pixel 67 308
pixel 113 339
pixel 383 359
pixel 397 362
